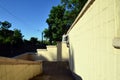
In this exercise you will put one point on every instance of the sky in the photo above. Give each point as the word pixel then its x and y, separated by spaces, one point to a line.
pixel 29 16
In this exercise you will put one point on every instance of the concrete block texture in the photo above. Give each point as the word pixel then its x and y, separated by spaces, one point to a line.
pixel 92 55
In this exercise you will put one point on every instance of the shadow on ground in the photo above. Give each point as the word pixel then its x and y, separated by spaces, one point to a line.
pixel 55 71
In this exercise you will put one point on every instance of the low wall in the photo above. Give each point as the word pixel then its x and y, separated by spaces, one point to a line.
pixel 14 69
pixel 49 54
pixel 54 53
pixel 26 56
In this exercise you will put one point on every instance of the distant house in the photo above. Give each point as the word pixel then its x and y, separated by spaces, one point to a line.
pixel 94 41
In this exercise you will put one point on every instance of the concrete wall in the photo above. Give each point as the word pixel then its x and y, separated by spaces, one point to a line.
pixel 65 52
pixel 54 53
pixel 62 51
pixel 59 51
pixel 117 34
pixel 14 69
pixel 49 54
pixel 27 56
pixel 92 55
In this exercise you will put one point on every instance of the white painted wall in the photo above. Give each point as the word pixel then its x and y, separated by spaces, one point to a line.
pixel 54 53
pixel 49 54
pixel 92 55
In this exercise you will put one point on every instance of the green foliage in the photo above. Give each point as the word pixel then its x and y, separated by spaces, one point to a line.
pixel 46 33
pixel 12 43
pixel 6 38
pixel 9 36
pixel 17 37
pixel 34 40
pixel 56 24
pixel 61 18
pixel 5 34
pixel 17 34
pixel 10 40
pixel 5 25
pixel 73 7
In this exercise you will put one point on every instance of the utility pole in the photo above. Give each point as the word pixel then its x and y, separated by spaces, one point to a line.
pixel 42 37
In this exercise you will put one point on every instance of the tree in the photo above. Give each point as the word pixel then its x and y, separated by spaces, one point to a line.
pixel 17 34
pixel 9 36
pixel 61 18
pixel 5 25
pixel 10 40
pixel 34 40
pixel 17 37
pixel 46 33
pixel 56 24
pixel 5 33
pixel 73 7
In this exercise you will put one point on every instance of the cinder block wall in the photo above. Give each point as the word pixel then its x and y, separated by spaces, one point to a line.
pixel 13 69
pixel 92 55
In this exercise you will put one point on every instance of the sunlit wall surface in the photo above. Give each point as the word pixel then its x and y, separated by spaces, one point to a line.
pixel 92 55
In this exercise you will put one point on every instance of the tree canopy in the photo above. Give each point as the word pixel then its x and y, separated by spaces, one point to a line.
pixel 12 43
pixel 56 24
pixel 9 36
pixel 61 17
pixel 5 25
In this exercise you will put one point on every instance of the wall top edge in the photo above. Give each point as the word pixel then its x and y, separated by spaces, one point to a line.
pixel 4 60
pixel 51 46
pixel 82 12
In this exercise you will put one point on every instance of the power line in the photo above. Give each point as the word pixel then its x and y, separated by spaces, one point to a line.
pixel 14 16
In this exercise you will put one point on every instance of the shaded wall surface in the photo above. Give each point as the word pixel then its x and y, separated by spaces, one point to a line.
pixel 64 51
pixel 14 69
pixel 92 55
pixel 54 53
pixel 49 54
